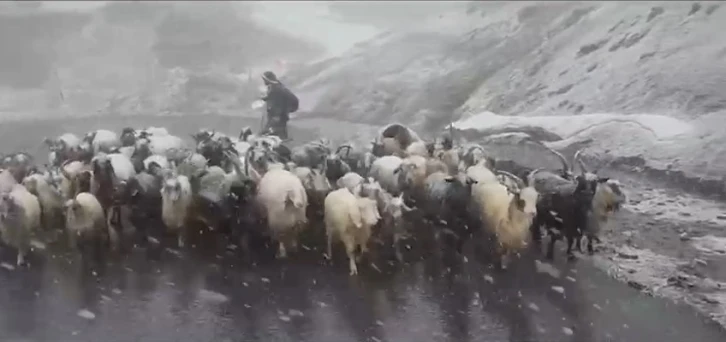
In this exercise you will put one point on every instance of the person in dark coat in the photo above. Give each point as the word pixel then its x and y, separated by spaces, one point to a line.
pixel 278 107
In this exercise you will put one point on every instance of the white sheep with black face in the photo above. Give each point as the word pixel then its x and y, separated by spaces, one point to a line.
pixel 176 202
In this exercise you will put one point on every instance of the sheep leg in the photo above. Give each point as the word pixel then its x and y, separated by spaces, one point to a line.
pixel 21 256
pixel 181 237
pixel 551 246
pixel 397 247
pixel 329 255
pixel 350 250
pixel 590 249
pixel 281 251
pixel 570 241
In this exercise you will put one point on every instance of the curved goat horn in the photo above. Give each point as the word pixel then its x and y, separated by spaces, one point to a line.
pixel 519 181
pixel 579 161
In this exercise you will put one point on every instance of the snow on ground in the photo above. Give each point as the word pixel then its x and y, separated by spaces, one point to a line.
pixel 660 126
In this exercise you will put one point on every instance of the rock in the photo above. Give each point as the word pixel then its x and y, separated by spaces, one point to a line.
pixel 699 262
pixel 684 236
pixel 685 214
pixel 721 217
pixel 681 280
pixel 709 299
pixel 636 285
pixel 628 255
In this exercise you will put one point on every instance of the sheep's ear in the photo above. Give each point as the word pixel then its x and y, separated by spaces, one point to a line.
pixel 603 180
pixel 470 181
pixel 397 170
pixel 449 179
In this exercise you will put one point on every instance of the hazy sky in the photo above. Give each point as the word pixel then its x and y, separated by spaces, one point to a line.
pixel 308 19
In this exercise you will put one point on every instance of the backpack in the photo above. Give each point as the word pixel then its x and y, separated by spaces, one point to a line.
pixel 293 103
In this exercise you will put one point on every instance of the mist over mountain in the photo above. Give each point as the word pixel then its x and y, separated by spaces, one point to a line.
pixel 131 57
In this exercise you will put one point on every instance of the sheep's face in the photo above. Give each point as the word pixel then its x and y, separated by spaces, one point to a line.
pixel 172 189
pixel 526 201
pixel 370 188
pixel 369 211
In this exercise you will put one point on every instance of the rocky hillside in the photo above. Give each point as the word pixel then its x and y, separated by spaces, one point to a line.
pixel 550 59
pixel 134 57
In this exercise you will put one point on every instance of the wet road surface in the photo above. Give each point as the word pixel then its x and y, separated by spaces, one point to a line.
pixel 197 295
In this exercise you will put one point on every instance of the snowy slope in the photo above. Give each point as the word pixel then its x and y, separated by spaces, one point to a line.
pixel 663 62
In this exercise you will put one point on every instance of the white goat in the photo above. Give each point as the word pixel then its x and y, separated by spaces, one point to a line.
pixel 383 170
pixel 417 148
pixel 50 198
pixel 283 196
pixel 507 215
pixel 86 225
pixel 19 219
pixel 176 201
pixel 351 181
pixel 349 218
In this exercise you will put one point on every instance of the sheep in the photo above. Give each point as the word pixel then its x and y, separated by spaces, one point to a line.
pixel 7 181
pixel 176 201
pixel 383 170
pixel 474 154
pixel 315 183
pixel 19 220
pixel 392 209
pixel 19 164
pixel 412 176
pixel 403 135
pixel 284 198
pixel 163 144
pixel 448 203
pixel 86 225
pixel 507 215
pixel 70 172
pixel 101 141
pixel 481 173
pixel 607 200
pixel 50 198
pixel 565 203
pixel 349 218
pixel 417 148
pixel 351 181
pixel 161 161
pixel 111 173
pixel 311 154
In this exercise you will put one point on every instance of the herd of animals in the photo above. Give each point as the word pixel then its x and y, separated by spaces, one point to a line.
pixel 254 188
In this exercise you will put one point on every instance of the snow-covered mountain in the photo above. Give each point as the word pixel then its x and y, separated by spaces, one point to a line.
pixel 644 80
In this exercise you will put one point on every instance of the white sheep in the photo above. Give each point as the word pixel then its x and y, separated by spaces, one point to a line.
pixel 607 200
pixel 391 209
pixel 157 131
pixel 176 202
pixel 284 198
pixel 349 218
pixel 161 145
pixel 351 181
pixel 7 181
pixel 86 225
pixel 482 174
pixel 69 172
pixel 417 148
pixel 507 215
pixel 103 141
pixel 19 219
pixel 50 198
pixel 383 170
pixel 412 174
pixel 160 160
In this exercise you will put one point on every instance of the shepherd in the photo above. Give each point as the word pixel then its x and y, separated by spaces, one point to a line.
pixel 280 103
